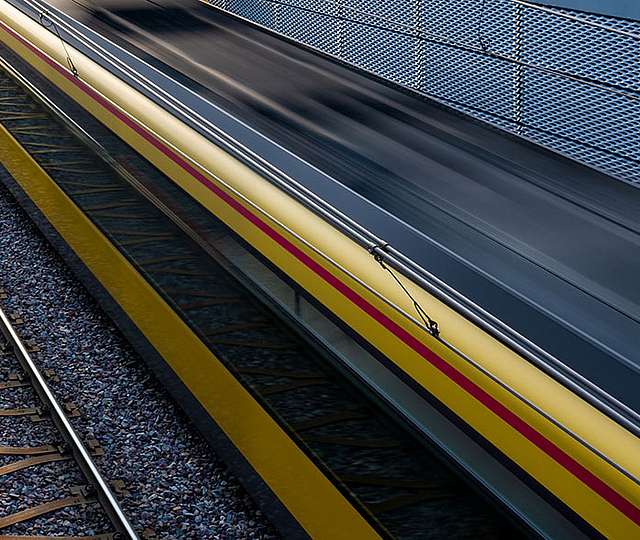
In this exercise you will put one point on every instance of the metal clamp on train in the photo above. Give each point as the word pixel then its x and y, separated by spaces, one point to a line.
pixel 383 254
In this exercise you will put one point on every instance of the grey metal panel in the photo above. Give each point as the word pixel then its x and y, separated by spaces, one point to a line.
pixel 566 79
pixel 615 8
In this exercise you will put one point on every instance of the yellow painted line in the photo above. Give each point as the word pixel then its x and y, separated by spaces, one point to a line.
pixel 306 492
pixel 547 393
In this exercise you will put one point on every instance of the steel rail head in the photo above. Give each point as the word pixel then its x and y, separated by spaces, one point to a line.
pixel 80 452
pixel 592 394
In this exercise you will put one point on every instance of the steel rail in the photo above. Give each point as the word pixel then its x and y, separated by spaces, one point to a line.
pixel 77 447
pixel 489 323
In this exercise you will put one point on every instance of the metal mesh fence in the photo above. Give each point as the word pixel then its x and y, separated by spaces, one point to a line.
pixel 565 79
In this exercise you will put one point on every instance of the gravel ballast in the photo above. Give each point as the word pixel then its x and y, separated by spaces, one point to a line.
pixel 177 486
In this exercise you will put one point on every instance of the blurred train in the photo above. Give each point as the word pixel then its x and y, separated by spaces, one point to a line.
pixel 460 275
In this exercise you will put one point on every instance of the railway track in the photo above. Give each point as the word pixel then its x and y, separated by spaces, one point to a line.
pixel 400 484
pixel 98 505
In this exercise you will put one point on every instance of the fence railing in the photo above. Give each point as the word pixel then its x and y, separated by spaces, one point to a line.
pixel 565 79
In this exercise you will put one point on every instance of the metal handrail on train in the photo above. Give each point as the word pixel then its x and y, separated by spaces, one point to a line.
pixel 373 244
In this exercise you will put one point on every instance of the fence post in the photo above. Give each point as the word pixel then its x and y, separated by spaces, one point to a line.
pixel 518 71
